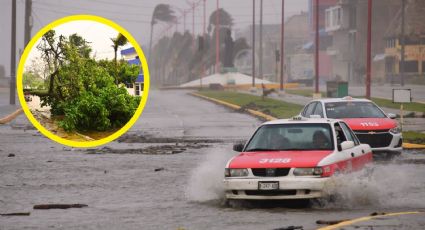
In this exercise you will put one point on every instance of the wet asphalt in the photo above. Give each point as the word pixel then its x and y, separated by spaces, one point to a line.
pixel 166 173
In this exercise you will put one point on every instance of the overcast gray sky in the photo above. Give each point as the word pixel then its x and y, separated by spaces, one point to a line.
pixel 133 15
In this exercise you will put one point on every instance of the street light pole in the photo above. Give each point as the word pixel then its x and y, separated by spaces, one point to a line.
pixel 203 40
pixel 261 41
pixel 217 39
pixel 28 22
pixel 402 41
pixel 369 47
pixel 317 49
pixel 13 56
pixel 282 46
pixel 193 25
pixel 253 43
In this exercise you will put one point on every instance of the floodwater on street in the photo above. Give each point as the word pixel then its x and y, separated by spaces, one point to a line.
pixel 166 173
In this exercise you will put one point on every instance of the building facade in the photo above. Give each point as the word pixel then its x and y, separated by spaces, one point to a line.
pixel 130 55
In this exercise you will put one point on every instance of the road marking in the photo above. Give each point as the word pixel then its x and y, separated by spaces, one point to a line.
pixel 366 218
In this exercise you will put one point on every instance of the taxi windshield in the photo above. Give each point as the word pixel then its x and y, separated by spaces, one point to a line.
pixel 281 137
pixel 353 109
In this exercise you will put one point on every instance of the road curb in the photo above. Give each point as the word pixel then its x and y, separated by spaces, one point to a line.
pixel 366 218
pixel 255 113
pixel 10 117
pixel 413 146
pixel 266 117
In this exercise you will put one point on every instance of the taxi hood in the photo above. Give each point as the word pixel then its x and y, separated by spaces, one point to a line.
pixel 279 159
pixel 370 123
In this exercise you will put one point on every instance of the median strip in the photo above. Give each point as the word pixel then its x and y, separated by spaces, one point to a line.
pixel 255 113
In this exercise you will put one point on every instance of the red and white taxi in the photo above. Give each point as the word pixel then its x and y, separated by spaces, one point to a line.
pixel 293 159
pixel 369 122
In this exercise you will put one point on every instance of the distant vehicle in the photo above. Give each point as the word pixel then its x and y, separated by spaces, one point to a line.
pixel 293 159
pixel 369 122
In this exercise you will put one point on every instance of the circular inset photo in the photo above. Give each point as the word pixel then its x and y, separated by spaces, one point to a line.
pixel 83 81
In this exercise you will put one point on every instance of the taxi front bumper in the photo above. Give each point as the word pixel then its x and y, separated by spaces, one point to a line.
pixel 289 188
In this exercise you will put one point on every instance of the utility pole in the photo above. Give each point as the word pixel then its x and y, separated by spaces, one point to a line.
pixel 192 5
pixel 203 40
pixel 261 40
pixel 217 39
pixel 317 49
pixel 184 21
pixel 28 21
pixel 369 47
pixel 13 56
pixel 282 46
pixel 253 43
pixel 402 41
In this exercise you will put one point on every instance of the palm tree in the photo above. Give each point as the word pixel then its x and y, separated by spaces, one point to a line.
pixel 117 42
pixel 226 20
pixel 164 13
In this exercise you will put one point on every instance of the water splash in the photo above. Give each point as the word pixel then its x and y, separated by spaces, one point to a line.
pixel 383 186
pixel 206 180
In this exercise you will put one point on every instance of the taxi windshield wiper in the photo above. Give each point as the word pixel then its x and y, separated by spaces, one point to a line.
pixel 291 149
pixel 259 149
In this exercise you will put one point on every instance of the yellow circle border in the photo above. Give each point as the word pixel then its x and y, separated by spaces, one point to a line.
pixel 111 137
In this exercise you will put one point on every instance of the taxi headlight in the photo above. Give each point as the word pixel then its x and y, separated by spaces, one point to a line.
pixel 395 130
pixel 235 172
pixel 308 171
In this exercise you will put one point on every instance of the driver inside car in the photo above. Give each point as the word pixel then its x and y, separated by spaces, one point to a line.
pixel 278 142
pixel 320 141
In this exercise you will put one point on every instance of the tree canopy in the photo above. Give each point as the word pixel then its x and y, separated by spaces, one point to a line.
pixel 83 90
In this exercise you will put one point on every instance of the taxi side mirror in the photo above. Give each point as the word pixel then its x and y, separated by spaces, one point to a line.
pixel 345 145
pixel 392 115
pixel 238 147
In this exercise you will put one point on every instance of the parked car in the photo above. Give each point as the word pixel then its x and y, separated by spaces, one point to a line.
pixel 369 122
pixel 293 159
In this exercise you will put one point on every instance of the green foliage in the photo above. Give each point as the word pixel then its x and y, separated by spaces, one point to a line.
pixel 127 74
pixel 33 81
pixel 164 13
pixel 81 45
pixel 111 108
pixel 414 137
pixel 83 90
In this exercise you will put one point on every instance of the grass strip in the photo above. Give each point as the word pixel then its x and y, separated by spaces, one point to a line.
pixel 413 106
pixel 275 108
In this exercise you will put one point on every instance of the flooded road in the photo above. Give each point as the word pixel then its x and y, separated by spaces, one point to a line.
pixel 137 183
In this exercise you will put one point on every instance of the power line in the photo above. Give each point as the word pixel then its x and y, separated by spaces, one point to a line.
pixel 43 4
pixel 123 4
pixel 112 18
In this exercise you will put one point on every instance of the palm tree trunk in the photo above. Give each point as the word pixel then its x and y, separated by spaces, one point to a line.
pixel 150 44
pixel 116 65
